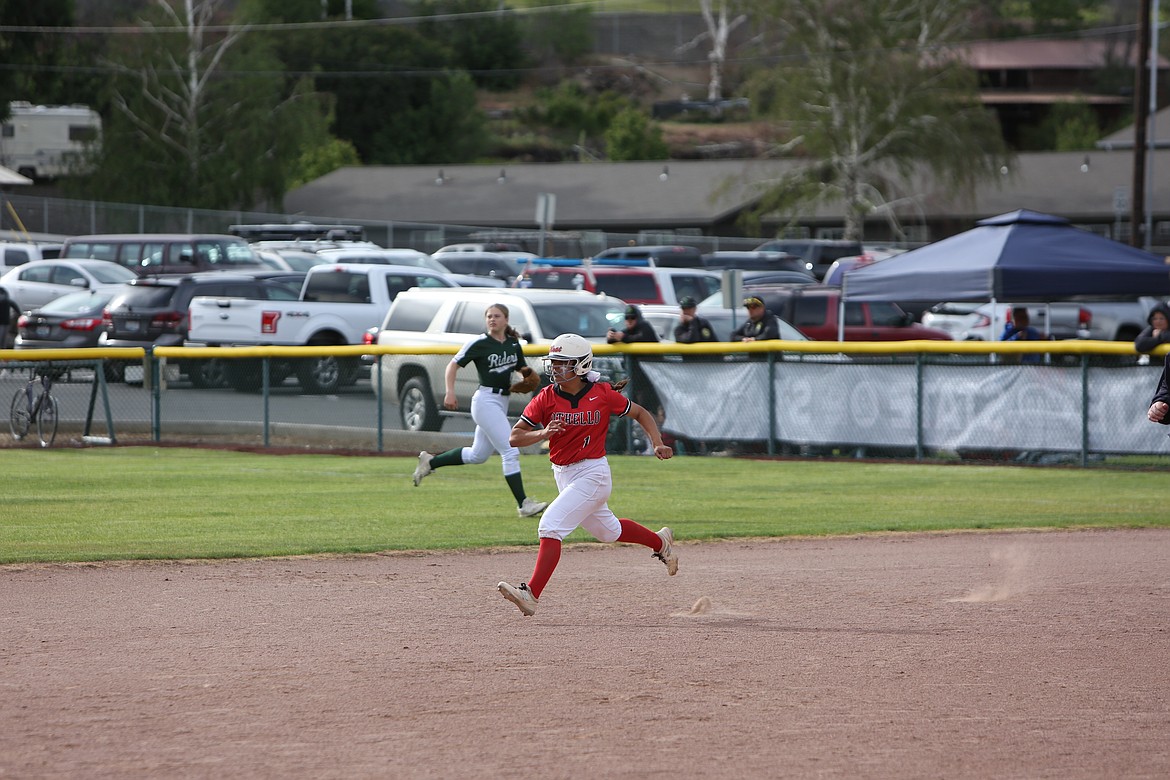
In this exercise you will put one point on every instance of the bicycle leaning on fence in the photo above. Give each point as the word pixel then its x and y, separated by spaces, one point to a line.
pixel 34 401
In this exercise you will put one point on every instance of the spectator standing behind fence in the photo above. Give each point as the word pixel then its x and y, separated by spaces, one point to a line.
pixel 9 314
pixel 636 330
pixel 761 324
pixel 1019 328
pixel 691 328
pixel 1156 332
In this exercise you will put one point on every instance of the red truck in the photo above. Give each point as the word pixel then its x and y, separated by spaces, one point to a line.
pixel 813 310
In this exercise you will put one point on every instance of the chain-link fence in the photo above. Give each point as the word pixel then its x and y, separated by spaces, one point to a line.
pixel 1082 402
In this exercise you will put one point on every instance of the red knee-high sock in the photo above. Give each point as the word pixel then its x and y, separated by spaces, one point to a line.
pixel 547 559
pixel 635 533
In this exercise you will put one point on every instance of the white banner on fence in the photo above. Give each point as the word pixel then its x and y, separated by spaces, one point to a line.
pixel 964 407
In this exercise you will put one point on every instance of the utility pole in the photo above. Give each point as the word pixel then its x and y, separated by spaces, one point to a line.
pixel 1141 116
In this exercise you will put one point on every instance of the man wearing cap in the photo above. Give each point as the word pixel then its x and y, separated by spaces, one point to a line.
pixel 691 328
pixel 760 325
pixel 636 330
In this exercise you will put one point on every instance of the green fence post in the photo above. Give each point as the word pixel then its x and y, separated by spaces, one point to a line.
pixel 772 403
pixel 1084 410
pixel 918 402
pixel 155 394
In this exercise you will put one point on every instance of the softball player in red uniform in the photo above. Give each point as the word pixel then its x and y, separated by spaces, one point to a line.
pixel 496 354
pixel 573 415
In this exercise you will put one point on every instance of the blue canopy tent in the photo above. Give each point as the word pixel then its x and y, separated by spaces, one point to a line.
pixel 1022 255
pixel 1019 256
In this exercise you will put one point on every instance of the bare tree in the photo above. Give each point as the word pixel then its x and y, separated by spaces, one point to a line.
pixel 175 83
pixel 197 119
pixel 719 29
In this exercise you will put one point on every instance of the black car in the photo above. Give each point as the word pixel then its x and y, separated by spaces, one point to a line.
pixel 152 312
pixel 756 261
pixel 818 253
pixel 486 264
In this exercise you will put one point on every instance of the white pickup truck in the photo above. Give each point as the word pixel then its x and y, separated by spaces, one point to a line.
pixel 337 305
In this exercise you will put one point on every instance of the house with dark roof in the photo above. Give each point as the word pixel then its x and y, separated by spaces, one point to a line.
pixel 707 197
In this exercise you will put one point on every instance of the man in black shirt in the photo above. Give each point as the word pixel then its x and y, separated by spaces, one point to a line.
pixel 636 330
pixel 691 328
pixel 761 324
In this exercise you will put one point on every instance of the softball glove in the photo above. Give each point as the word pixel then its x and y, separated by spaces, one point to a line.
pixel 529 382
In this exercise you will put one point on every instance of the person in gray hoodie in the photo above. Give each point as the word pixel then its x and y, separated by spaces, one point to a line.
pixel 1157 332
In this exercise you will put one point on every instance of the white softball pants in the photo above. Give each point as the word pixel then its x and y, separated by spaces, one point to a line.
pixel 584 489
pixel 492 429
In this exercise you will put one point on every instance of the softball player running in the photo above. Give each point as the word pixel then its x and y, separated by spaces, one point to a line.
pixel 496 354
pixel 574 412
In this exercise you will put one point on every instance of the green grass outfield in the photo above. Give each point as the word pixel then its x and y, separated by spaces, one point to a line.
pixel 148 502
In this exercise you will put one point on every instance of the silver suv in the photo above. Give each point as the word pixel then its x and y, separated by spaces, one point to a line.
pixel 414 385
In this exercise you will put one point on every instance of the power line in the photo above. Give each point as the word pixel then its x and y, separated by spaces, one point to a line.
pixel 326 24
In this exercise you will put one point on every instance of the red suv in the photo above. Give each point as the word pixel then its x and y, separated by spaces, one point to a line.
pixel 813 310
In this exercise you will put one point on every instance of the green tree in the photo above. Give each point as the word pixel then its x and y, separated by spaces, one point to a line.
pixel 31 60
pixel 397 99
pixel 1069 127
pixel 320 160
pixel 199 120
pixel 564 34
pixel 485 38
pixel 573 109
pixel 873 103
pixel 632 136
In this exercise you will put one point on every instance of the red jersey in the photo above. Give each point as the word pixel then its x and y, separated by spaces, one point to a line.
pixel 586 418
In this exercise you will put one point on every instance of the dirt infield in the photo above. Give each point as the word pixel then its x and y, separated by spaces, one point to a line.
pixel 918 656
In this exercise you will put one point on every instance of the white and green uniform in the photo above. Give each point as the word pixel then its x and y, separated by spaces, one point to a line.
pixel 495 361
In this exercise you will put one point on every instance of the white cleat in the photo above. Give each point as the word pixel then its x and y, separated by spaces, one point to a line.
pixel 531 508
pixel 519 595
pixel 423 469
pixel 666 554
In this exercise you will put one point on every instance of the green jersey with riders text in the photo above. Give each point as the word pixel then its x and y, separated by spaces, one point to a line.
pixel 494 360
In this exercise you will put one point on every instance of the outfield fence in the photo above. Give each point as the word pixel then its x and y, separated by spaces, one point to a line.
pixel 1082 401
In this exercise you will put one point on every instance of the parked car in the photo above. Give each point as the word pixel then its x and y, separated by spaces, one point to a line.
pixel 152 312
pixel 755 261
pixel 658 256
pixel 818 253
pixel 293 261
pixel 72 321
pixel 404 257
pixel 972 320
pixel 813 309
pixel 632 285
pixel 488 264
pixel 723 321
pixel 14 253
pixel 779 277
pixel 148 254
pixel 32 285
pixel 414 384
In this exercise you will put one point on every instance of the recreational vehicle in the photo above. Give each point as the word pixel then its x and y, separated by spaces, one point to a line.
pixel 44 142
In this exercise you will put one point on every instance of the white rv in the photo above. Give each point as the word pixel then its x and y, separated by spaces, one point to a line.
pixel 43 142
